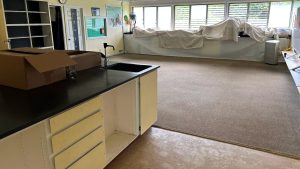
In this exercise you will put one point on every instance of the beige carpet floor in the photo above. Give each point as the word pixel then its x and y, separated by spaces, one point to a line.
pixel 244 103
pixel 164 149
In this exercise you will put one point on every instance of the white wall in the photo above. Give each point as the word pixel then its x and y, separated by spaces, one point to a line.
pixel 115 35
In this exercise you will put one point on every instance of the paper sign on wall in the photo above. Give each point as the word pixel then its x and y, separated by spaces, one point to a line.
pixel 114 16
pixel 95 27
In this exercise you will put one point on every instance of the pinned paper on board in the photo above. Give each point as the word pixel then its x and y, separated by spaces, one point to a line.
pixel 95 27
pixel 114 16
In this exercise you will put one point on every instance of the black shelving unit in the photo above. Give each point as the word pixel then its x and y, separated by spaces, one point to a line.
pixel 28 23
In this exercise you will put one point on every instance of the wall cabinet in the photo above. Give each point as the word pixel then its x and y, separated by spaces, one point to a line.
pixel 25 23
pixel 89 135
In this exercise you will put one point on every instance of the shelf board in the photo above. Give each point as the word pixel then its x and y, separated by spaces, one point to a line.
pixel 39 24
pixel 46 47
pixel 19 24
pixel 15 11
pixel 22 37
pixel 39 12
pixel 40 36
pixel 116 143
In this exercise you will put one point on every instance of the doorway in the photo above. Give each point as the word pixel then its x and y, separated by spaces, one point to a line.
pixel 57 27
pixel 74 26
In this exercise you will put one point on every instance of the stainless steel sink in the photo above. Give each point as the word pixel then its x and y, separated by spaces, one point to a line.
pixel 128 67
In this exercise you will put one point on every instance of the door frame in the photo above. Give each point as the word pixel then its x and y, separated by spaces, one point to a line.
pixel 63 22
pixel 81 25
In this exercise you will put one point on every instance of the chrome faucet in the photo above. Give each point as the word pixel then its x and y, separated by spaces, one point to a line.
pixel 104 56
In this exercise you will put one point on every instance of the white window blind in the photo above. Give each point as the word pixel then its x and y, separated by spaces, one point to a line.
pixel 138 11
pixel 164 18
pixel 259 14
pixel 150 17
pixel 198 16
pixel 215 13
pixel 239 11
pixel 182 17
pixel 280 14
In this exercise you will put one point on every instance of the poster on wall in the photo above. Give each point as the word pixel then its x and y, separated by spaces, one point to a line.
pixel 114 16
pixel 95 11
pixel 95 27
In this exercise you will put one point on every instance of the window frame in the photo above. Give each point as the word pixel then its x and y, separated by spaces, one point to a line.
pixel 247 16
pixel 190 12
pixel 226 11
pixel 291 11
pixel 132 9
pixel 270 2
pixel 171 22
pixel 156 22
pixel 174 17
pixel 206 13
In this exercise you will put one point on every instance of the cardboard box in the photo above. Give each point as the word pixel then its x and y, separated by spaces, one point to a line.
pixel 27 68
pixel 84 59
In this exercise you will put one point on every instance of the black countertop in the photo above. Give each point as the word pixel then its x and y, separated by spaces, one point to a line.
pixel 20 109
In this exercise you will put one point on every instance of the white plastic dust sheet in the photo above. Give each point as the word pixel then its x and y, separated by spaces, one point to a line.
pixel 180 40
pixel 226 30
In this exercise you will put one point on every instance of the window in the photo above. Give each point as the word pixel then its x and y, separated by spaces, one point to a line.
pixel 280 14
pixel 271 14
pixel 258 14
pixel 182 17
pixel 190 17
pixel 198 16
pixel 150 17
pixel 239 11
pixel 295 11
pixel 295 7
pixel 274 14
pixel 154 17
pixel 139 12
pixel 164 18
pixel 215 13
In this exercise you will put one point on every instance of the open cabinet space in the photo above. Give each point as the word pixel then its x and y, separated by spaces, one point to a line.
pixel 121 118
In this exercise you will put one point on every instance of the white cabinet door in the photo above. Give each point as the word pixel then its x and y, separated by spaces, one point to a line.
pixel 26 149
pixel 148 100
